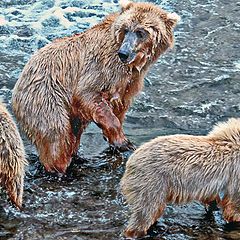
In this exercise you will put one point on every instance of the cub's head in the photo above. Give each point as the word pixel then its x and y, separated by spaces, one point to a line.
pixel 143 31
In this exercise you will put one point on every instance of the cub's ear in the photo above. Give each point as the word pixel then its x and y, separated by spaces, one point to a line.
pixel 125 4
pixel 173 19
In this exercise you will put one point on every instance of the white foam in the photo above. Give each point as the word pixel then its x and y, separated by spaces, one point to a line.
pixel 237 65
pixel 59 13
pixel 36 20
pixel 71 9
pixel 3 21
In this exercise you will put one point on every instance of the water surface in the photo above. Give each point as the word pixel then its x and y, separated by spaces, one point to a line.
pixel 188 90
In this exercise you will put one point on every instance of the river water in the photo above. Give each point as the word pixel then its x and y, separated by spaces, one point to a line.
pixel 188 90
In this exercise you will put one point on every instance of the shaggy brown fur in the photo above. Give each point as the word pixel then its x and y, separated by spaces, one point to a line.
pixel 75 80
pixel 182 168
pixel 12 158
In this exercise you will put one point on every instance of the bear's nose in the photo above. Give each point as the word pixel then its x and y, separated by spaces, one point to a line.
pixel 123 56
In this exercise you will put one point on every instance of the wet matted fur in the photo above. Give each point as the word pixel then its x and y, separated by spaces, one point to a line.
pixel 12 158
pixel 182 168
pixel 75 80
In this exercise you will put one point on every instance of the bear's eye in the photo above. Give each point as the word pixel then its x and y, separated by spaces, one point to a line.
pixel 141 34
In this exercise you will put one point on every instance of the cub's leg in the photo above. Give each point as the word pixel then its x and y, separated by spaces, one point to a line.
pixel 142 219
pixel 146 200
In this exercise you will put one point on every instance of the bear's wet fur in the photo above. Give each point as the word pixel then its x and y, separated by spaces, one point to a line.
pixel 12 158
pixel 182 168
pixel 91 76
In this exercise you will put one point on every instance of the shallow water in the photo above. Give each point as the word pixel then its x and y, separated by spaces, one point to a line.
pixel 189 89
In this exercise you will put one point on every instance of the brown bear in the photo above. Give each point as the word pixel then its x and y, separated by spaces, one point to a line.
pixel 91 76
pixel 182 168
pixel 12 158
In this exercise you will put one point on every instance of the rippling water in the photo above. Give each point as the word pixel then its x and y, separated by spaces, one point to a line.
pixel 190 88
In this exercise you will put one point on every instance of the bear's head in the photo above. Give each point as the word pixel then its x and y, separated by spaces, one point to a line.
pixel 143 31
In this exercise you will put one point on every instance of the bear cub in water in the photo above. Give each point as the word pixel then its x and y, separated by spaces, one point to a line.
pixel 182 168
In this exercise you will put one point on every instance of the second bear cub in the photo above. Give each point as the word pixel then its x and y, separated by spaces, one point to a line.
pixel 180 169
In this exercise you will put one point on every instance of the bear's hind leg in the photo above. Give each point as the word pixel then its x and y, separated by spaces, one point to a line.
pixel 231 212
pixel 141 220
pixel 57 147
pixel 54 154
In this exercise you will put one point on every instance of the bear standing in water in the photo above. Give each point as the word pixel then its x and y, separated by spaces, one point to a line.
pixel 183 168
pixel 92 76
pixel 12 158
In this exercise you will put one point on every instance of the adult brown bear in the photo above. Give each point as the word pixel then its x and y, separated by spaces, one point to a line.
pixel 92 76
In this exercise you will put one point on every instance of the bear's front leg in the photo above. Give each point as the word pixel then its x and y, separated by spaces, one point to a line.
pixel 104 117
pixel 230 207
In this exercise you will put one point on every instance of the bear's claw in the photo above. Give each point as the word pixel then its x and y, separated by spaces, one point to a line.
pixel 125 146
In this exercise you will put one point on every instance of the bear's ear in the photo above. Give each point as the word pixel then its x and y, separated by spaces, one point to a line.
pixel 125 4
pixel 173 19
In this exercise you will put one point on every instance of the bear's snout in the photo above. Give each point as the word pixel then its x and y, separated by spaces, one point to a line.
pixel 126 52
pixel 123 55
